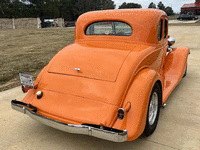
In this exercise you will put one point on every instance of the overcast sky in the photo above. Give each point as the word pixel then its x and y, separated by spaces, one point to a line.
pixel 175 4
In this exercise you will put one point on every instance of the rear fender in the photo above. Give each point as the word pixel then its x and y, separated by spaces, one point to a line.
pixel 138 95
pixel 39 77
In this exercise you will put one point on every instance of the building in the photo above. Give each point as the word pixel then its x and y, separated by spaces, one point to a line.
pixel 193 8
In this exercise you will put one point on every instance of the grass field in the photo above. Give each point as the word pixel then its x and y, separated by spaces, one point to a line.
pixel 28 51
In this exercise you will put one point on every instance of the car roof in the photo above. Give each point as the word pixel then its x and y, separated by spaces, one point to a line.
pixel 144 23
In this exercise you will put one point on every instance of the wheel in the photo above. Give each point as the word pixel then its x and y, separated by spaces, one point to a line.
pixel 185 71
pixel 153 110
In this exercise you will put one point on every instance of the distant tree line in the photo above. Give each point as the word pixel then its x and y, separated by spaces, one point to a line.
pixel 129 5
pixel 169 11
pixel 160 6
pixel 68 9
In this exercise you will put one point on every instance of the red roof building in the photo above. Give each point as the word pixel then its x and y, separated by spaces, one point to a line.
pixel 193 8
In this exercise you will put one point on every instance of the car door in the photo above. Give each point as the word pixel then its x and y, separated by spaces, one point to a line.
pixel 162 36
pixel 164 43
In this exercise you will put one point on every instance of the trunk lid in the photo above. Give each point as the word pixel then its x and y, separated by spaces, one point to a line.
pixel 88 61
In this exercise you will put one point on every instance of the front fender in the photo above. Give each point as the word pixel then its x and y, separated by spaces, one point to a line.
pixel 174 69
pixel 138 95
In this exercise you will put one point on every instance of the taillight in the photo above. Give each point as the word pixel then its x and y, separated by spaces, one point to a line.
pixel 121 113
pixel 25 88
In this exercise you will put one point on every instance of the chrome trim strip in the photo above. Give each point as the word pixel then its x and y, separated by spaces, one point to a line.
pixel 78 129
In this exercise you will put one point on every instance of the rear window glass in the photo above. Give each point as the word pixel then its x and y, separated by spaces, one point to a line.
pixel 109 28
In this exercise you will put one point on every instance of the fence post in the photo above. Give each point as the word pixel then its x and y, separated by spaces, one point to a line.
pixel 38 23
pixel 56 22
pixel 63 21
pixel 13 20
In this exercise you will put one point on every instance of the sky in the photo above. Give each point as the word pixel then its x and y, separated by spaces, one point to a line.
pixel 175 4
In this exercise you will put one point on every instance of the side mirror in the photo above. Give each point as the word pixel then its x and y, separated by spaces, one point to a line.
pixel 171 41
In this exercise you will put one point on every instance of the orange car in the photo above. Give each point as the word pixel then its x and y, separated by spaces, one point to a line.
pixel 111 82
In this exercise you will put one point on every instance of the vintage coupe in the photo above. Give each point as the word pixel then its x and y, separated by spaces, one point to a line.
pixel 111 82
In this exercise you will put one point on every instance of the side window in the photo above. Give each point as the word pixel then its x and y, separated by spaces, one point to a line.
pixel 160 26
pixel 166 28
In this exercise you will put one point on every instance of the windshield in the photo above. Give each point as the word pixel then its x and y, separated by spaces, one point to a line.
pixel 109 28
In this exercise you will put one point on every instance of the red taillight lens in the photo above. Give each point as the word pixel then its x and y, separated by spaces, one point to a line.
pixel 25 88
pixel 121 113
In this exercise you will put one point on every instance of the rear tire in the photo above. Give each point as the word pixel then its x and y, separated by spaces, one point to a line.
pixel 153 110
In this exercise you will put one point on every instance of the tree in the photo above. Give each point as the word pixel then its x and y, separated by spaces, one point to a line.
pixel 161 6
pixel 69 9
pixel 129 5
pixel 107 4
pixel 152 5
pixel 51 11
pixel 169 11
pixel 80 7
pixel 39 6
pixel 4 8
pixel 17 9
pixel 44 8
pixel 13 9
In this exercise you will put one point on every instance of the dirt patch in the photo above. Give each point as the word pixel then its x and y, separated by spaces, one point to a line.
pixel 28 51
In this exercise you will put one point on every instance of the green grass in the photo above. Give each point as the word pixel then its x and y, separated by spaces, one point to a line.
pixel 28 51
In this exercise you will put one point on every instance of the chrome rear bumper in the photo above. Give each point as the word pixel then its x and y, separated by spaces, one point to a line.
pixel 115 135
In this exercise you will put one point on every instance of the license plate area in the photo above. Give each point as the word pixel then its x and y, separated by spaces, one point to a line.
pixel 26 79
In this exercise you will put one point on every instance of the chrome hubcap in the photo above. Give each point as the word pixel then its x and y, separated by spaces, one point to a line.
pixel 153 108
